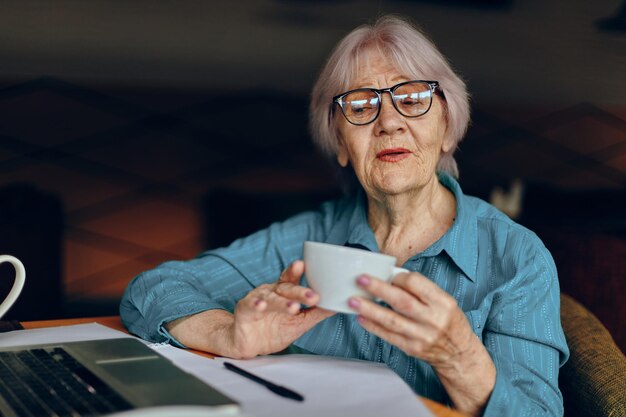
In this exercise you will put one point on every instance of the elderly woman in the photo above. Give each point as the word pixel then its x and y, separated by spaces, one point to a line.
pixel 475 324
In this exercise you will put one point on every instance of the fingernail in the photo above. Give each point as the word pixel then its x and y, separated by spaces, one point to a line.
pixel 360 319
pixel 290 303
pixel 309 294
pixel 363 280
pixel 257 301
pixel 354 303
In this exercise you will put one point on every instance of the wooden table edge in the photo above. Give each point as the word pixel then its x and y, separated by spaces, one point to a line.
pixel 114 322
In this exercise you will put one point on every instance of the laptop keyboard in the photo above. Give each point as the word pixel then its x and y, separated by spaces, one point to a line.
pixel 49 382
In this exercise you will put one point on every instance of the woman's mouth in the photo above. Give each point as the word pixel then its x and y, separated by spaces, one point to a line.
pixel 393 154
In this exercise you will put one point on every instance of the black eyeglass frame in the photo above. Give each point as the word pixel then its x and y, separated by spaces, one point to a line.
pixel 434 85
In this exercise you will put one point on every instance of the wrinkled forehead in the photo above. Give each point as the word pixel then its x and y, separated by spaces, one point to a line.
pixel 378 57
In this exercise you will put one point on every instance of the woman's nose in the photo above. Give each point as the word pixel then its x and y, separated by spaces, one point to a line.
pixel 389 120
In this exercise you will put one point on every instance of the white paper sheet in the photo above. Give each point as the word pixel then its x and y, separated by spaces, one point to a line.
pixel 331 386
pixel 74 333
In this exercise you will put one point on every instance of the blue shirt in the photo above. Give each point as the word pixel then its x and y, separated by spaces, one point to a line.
pixel 500 273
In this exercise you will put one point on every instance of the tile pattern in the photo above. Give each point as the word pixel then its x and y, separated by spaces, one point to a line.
pixel 132 168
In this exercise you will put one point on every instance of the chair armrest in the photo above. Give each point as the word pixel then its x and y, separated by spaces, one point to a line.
pixel 593 380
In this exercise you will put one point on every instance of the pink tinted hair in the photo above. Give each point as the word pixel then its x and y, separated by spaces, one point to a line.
pixel 414 55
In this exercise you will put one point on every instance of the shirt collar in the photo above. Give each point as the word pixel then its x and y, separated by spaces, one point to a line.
pixel 460 242
pixel 356 231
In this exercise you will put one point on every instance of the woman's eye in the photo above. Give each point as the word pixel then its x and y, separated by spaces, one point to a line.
pixel 410 102
pixel 360 106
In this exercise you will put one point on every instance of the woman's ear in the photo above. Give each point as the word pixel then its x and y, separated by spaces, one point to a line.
pixel 447 143
pixel 342 153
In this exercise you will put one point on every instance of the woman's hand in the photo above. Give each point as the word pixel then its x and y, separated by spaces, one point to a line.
pixel 426 322
pixel 267 320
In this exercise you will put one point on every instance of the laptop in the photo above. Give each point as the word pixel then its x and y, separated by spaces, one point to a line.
pixel 98 377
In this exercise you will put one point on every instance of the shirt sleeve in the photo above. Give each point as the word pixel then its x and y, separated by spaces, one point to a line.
pixel 216 279
pixel 524 337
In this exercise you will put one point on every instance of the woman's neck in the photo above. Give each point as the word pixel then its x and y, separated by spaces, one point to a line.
pixel 407 223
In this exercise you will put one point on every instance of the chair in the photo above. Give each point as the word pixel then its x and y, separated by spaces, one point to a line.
pixel 593 381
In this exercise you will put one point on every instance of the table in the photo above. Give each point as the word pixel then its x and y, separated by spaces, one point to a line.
pixel 114 322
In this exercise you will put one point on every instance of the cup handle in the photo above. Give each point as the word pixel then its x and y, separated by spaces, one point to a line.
pixel 396 270
pixel 18 283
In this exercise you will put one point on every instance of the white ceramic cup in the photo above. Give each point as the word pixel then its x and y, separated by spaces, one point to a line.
pixel 18 283
pixel 332 270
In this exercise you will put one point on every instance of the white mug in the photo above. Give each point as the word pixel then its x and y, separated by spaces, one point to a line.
pixel 18 283
pixel 332 270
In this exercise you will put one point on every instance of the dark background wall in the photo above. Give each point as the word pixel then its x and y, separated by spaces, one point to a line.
pixel 120 123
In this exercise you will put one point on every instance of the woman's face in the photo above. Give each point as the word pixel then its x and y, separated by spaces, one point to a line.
pixel 394 154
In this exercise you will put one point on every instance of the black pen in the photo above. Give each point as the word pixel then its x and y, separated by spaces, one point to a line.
pixel 277 389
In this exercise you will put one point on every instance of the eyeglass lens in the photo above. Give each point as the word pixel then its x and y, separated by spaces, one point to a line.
pixel 411 100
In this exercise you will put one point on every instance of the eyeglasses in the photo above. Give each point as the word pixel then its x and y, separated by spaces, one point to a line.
pixel 410 99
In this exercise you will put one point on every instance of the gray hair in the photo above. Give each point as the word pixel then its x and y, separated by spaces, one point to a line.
pixel 413 54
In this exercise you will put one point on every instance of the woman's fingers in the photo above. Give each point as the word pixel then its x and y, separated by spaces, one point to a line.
pixel 285 296
pixel 424 320
pixel 386 319
pixel 396 339
pixel 287 286
pixel 439 307
pixel 253 304
pixel 419 286
pixel 263 300
pixel 401 300
pixel 270 316
pixel 292 273
pixel 295 293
